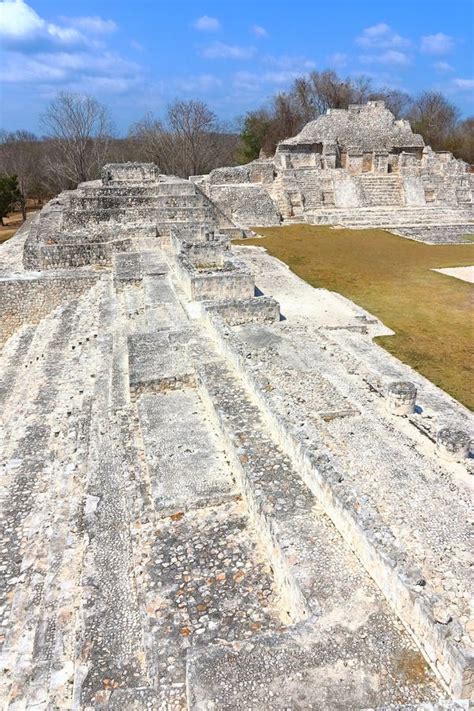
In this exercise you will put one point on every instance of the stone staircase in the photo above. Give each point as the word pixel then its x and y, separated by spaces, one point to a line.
pixel 385 216
pixel 211 465
pixel 381 189
pixel 162 549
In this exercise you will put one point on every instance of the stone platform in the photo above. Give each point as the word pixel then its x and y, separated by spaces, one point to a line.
pixel 207 504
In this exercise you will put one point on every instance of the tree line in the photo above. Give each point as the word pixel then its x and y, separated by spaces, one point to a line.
pixel 78 135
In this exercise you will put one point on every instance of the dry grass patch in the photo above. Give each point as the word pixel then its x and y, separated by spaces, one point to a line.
pixel 6 233
pixel 390 276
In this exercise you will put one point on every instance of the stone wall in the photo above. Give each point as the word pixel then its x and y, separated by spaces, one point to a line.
pixel 26 299
pixel 212 253
pixel 245 204
pixel 130 173
pixel 235 312
pixel 232 281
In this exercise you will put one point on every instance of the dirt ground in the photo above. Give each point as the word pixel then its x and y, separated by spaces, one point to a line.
pixel 393 278
pixel 13 222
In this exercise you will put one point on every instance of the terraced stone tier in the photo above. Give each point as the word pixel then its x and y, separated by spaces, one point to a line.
pixel 350 647
pixel 404 513
pixel 44 449
pixel 133 266
pixel 438 234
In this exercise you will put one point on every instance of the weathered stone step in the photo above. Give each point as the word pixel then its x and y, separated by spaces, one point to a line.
pixel 119 395
pixel 163 310
pixel 319 580
pixel 13 355
pixel 112 201
pixel 135 214
pixel 132 302
pixel 158 361
pixel 43 361
pixel 166 188
pixel 186 464
pixel 386 217
pixel 307 670
pixel 40 643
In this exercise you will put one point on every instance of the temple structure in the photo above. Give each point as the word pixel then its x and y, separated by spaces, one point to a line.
pixel 358 166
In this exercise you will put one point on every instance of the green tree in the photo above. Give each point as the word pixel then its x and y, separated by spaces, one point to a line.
pixel 9 194
pixel 256 127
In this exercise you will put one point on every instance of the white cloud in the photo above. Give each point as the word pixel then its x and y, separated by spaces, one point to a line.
pixel 66 67
pixel 437 44
pixel 202 82
pixel 220 50
pixel 253 81
pixel 391 56
pixel 95 24
pixel 381 35
pixel 207 24
pixel 20 25
pixel 18 20
pixel 51 56
pixel 289 62
pixel 338 60
pixel 443 67
pixel 259 31
pixel 464 84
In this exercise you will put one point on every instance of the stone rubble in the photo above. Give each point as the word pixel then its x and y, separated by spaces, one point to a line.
pixel 207 504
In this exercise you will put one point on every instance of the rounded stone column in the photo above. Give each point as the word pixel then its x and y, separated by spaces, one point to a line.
pixel 401 397
pixel 453 444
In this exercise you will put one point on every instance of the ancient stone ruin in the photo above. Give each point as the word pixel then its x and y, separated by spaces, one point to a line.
pixel 359 167
pixel 218 492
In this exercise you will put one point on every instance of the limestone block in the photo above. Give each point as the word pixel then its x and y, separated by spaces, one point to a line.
pixel 413 190
pixel 354 160
pixel 380 161
pixel 453 444
pixel 130 172
pixel 401 398
pixel 261 171
pixel 346 192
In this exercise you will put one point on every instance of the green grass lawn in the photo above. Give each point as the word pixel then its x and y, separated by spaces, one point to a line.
pixel 390 276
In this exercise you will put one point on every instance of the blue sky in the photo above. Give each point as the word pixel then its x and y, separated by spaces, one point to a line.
pixel 137 55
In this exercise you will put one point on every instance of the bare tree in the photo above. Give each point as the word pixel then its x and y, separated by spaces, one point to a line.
pixel 188 142
pixel 80 129
pixel 154 143
pixel 434 117
pixel 326 90
pixel 193 127
pixel 398 102
pixel 21 154
pixel 464 140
